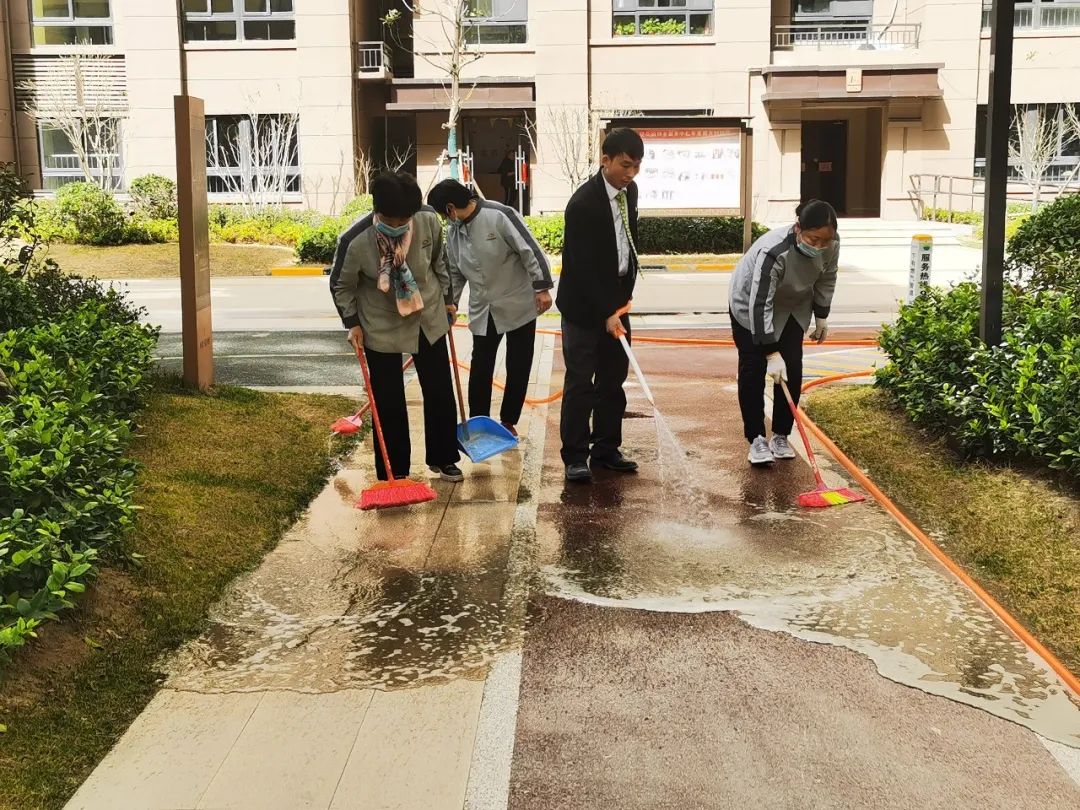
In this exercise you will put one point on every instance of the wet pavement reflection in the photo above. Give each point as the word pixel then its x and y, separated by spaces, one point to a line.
pixel 707 533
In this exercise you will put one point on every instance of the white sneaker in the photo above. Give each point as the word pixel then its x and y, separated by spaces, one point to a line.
pixel 781 448
pixel 760 454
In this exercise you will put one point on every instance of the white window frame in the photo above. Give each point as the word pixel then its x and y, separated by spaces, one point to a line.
pixel 73 173
pixel 239 15
pixel 636 11
pixel 71 21
pixel 516 16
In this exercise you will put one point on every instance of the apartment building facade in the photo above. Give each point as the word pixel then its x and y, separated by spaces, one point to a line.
pixel 851 100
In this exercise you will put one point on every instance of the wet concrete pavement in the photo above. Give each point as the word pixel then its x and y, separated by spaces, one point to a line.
pixel 679 638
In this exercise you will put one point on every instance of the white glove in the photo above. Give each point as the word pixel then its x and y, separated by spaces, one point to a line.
pixel 777 368
pixel 820 330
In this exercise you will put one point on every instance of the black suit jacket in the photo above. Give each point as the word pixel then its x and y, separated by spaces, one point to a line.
pixel 590 289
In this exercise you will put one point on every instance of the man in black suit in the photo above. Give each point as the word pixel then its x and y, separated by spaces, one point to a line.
pixel 599 269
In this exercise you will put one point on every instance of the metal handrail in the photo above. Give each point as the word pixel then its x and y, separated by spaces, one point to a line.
pixel 941 191
pixel 847 33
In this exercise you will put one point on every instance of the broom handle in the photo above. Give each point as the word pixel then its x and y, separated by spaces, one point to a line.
pixel 375 414
pixel 367 405
pixel 457 372
pixel 802 432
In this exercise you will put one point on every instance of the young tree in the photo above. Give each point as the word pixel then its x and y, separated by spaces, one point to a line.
pixel 440 37
pixel 1039 136
pixel 256 159
pixel 574 134
pixel 78 101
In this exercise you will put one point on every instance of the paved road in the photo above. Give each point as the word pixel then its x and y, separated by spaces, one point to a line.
pixel 867 295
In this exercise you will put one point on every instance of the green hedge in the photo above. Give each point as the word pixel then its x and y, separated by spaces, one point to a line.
pixel 1043 252
pixel 1018 400
pixel 74 359
pixel 674 235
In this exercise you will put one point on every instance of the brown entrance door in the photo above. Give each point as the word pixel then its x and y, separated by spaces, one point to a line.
pixel 824 162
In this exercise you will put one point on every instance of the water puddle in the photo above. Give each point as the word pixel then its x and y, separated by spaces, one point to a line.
pixel 846 576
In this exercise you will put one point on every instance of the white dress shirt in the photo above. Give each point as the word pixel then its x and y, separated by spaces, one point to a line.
pixel 620 229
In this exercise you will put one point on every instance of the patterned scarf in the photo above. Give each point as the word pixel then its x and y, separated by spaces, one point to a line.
pixel 394 272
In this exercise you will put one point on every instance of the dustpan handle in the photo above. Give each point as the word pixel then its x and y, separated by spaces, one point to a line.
pixel 802 432
pixel 375 414
pixel 457 371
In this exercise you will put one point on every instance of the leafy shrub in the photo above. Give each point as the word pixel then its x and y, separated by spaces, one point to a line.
pixel 1043 251
pixel 75 359
pixel 93 214
pixel 662 26
pixel 625 29
pixel 151 231
pixel 154 197
pixel 549 231
pixel 1020 399
pixel 359 207
pixel 317 245
pixel 674 235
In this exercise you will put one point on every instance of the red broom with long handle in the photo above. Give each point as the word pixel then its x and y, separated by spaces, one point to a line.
pixel 393 491
pixel 822 496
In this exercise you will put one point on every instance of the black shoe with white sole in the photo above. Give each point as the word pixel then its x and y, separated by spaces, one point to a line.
pixel 451 472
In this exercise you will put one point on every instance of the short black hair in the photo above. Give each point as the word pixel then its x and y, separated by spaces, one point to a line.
pixel 449 192
pixel 814 214
pixel 396 194
pixel 624 141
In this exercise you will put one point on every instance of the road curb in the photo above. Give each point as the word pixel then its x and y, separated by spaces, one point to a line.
pixel 298 270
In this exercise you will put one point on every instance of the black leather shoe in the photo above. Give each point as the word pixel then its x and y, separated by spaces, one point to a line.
pixel 619 463
pixel 578 473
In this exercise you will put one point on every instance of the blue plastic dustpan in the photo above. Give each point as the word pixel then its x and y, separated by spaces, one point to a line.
pixel 482 437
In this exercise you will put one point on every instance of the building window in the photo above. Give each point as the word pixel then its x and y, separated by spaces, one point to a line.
pixel 634 18
pixel 239 20
pixel 498 22
pixel 1055 126
pixel 254 159
pixel 1040 14
pixel 72 22
pixel 96 160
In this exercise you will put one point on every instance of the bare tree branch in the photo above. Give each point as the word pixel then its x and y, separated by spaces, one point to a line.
pixel 77 103
pixel 1035 145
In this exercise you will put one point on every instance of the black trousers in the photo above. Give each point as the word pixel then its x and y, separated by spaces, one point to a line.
pixel 596 368
pixel 753 363
pixel 519 358
pixel 440 414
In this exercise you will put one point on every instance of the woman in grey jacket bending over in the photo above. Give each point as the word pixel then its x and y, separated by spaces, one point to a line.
pixel 392 291
pixel 509 281
pixel 787 275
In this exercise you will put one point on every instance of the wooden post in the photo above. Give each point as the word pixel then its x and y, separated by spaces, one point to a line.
pixel 198 335
pixel 746 154
pixel 999 118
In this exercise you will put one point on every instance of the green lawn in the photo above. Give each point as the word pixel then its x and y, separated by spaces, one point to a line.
pixel 1016 533
pixel 163 261
pixel 224 475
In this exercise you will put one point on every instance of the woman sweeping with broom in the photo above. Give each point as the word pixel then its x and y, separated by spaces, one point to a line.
pixel 787 275
pixel 509 282
pixel 392 291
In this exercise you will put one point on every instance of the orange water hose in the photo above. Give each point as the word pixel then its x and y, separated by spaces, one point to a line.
pixel 1067 677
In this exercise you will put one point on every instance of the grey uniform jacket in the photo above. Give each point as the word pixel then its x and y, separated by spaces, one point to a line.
pixel 505 267
pixel 354 285
pixel 774 282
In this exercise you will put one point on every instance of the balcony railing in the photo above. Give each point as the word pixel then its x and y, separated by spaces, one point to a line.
pixel 1037 15
pixel 856 34
pixel 374 60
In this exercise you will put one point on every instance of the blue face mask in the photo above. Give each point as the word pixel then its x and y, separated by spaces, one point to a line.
pixel 809 251
pixel 393 233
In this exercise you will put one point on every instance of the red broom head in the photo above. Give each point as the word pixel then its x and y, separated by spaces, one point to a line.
pixel 400 492
pixel 820 498
pixel 346 425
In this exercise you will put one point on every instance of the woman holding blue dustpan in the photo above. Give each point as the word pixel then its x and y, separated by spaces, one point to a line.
pixel 489 246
